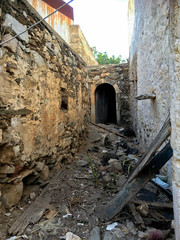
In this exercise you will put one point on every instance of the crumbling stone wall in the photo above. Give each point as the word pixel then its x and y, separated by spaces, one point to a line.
pixel 80 45
pixel 44 101
pixel 149 68
pixel 116 75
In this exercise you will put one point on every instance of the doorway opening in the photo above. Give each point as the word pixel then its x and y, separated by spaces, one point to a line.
pixel 105 104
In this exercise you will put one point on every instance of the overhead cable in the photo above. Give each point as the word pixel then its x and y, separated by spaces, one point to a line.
pixel 35 24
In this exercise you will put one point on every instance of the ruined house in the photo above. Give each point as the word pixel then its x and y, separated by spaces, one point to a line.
pixel 50 89
pixel 45 96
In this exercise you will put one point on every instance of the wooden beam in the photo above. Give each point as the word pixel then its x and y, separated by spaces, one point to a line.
pixel 158 205
pixel 109 130
pixel 130 189
pixel 146 96
pixel 35 211
pixel 150 152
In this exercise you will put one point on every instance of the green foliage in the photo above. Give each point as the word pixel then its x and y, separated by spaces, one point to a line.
pixel 103 58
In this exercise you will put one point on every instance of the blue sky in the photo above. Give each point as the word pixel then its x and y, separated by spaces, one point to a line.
pixel 104 24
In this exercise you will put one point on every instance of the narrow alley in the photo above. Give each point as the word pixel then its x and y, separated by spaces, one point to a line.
pixel 67 202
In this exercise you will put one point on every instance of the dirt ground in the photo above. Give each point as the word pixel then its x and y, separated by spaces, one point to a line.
pixel 68 202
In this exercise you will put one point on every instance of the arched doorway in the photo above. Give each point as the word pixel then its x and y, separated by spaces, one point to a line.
pixel 105 104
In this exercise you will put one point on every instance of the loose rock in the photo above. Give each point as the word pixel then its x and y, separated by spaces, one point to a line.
pixel 95 234
pixel 12 194
pixel 71 236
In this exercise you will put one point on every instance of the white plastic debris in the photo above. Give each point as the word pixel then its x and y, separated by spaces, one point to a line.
pixel 133 157
pixel 111 226
pixel 12 238
pixel 80 224
pixel 67 215
pixel 7 214
pixel 104 151
pixel 158 181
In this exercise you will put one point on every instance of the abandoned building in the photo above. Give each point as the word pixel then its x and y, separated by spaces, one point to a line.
pixel 52 88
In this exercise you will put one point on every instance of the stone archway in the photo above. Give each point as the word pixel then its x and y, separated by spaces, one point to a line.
pixel 94 87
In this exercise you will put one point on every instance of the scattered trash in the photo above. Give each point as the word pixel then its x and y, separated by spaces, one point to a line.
pixel 78 195
pixel 18 237
pixel 159 182
pixel 104 151
pixel 67 215
pixel 7 214
pixel 80 224
pixel 111 226
pixel 12 238
pixel 133 157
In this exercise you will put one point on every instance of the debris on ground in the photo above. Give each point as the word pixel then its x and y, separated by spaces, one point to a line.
pixel 64 207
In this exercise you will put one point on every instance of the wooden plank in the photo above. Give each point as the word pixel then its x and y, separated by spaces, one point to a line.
pixel 146 96
pixel 109 130
pixel 150 152
pixel 158 205
pixel 35 211
pixel 136 216
pixel 108 211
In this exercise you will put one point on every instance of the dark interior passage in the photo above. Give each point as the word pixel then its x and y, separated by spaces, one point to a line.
pixel 105 104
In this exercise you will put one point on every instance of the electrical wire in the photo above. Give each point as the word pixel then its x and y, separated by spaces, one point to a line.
pixel 35 24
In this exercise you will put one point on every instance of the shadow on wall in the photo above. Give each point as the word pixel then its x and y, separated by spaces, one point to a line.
pixel 105 100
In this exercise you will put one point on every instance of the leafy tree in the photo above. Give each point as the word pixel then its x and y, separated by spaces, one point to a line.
pixel 103 58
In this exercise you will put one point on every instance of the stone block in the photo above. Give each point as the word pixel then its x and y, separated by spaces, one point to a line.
pixel 12 194
pixel 6 169
pixel 71 236
pixel 11 45
pixel 16 150
pixel 66 142
pixel 6 155
pixel 16 26
pixel 44 173
pixel 37 58
pixel 39 166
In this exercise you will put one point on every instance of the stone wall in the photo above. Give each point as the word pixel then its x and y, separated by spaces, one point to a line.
pixel 149 68
pixel 174 73
pixel 116 75
pixel 155 67
pixel 80 45
pixel 44 101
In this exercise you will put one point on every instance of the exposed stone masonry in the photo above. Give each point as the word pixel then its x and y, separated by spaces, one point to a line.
pixel 118 77
pixel 44 101
pixel 80 45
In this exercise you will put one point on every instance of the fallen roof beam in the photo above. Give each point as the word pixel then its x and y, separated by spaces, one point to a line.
pixel 130 189
pixel 109 130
